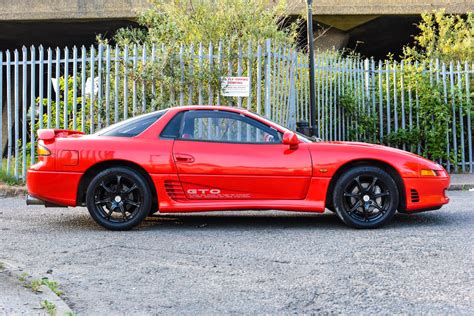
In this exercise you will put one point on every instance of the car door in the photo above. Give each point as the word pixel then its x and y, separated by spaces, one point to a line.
pixel 228 155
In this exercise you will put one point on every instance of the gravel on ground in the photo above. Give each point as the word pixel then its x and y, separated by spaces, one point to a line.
pixel 249 262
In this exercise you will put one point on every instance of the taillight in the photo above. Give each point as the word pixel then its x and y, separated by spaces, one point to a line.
pixel 42 150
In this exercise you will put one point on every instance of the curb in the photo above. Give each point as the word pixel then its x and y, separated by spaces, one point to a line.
pixel 12 191
pixel 45 292
pixel 461 187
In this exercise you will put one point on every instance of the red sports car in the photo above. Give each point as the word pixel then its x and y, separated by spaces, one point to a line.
pixel 208 158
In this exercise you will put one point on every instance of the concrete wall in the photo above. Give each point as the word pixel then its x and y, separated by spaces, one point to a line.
pixel 33 10
pixel 385 7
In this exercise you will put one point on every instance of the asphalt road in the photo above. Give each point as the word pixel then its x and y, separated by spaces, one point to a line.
pixel 258 262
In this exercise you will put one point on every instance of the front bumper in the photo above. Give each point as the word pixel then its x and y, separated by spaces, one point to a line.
pixel 58 188
pixel 424 193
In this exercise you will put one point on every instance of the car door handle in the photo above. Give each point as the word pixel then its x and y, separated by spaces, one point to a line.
pixel 184 158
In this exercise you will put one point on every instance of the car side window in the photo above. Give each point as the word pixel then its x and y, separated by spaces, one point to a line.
pixel 133 126
pixel 171 130
pixel 224 126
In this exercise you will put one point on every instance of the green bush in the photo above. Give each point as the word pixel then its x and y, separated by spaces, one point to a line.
pixel 447 37
pixel 231 21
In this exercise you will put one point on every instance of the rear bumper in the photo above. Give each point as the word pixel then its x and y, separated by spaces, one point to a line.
pixel 423 194
pixel 54 187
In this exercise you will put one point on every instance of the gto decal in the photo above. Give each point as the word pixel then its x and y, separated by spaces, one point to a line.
pixel 204 191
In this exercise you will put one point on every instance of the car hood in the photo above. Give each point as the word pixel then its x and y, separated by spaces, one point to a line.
pixel 360 150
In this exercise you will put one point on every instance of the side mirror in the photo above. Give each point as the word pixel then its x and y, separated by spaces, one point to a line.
pixel 291 139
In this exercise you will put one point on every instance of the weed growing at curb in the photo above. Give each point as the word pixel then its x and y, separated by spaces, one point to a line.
pixel 49 306
pixel 23 277
pixel 2 266
pixel 35 285
pixel 53 286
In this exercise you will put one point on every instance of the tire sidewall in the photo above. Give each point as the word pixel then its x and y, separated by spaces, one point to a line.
pixel 346 178
pixel 142 211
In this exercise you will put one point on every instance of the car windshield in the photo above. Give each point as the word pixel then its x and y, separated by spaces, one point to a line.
pixel 133 126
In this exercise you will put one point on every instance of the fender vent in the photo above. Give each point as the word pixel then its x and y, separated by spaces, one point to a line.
pixel 415 197
pixel 174 190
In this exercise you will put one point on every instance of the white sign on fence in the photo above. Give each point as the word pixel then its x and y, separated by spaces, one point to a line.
pixel 235 86
pixel 90 88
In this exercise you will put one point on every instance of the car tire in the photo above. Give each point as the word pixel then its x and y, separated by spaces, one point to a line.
pixel 118 198
pixel 365 197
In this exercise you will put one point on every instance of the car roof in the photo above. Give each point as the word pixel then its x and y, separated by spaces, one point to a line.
pixel 209 107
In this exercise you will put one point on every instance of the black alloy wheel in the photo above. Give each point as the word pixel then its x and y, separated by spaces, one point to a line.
pixel 118 198
pixel 365 197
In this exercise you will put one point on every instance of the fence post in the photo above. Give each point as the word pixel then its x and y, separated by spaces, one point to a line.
pixel 292 97
pixel 58 90
pixel 268 53
pixel 48 83
pixel 41 79
pixel 200 62
pixel 134 83
pixel 92 77
pixel 219 67
pixel 24 110
pixel 380 101
pixel 210 91
pixel 181 66
pixel 125 82
pixel 100 51
pixel 153 81
pixel 74 88
pixel 116 84
pixel 445 94
pixel 453 113
pixel 83 88
pixel 9 110
pixel 469 106
pixel 191 72
pixel 461 119
pixel 66 84
pixel 144 59
pixel 17 107
pixel 107 86
pixel 32 106
pixel 259 78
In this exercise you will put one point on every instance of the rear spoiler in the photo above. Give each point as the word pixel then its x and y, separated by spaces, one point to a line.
pixel 52 133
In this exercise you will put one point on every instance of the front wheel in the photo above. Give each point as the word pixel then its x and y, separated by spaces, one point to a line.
pixel 365 197
pixel 118 198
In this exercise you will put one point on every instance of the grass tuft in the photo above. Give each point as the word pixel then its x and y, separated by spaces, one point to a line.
pixel 9 179
pixel 49 306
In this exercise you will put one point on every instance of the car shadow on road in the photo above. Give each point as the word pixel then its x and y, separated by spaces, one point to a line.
pixel 242 220
pixel 256 220
pixel 283 220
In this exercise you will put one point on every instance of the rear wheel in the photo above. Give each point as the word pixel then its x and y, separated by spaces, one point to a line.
pixel 365 197
pixel 118 198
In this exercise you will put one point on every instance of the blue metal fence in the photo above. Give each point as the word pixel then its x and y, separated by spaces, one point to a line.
pixel 90 88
